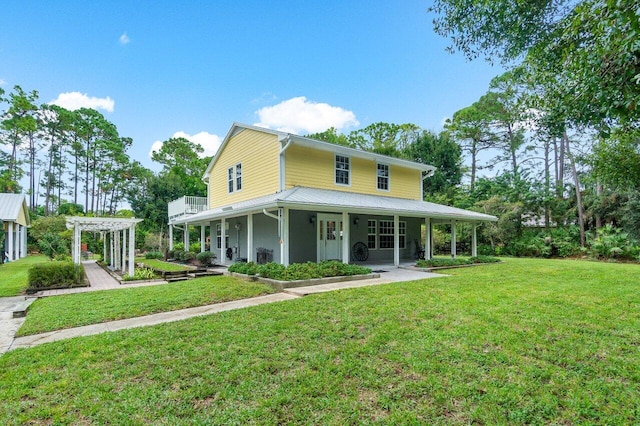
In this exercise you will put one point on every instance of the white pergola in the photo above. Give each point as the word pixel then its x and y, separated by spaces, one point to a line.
pixel 116 229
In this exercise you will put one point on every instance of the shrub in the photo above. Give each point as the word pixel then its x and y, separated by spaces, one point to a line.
pixel 55 275
pixel 153 255
pixel 272 270
pixel 52 244
pixel 178 246
pixel 444 262
pixel 141 274
pixel 248 268
pixel 171 254
pixel 62 258
pixel 195 247
pixel 177 254
pixel 187 256
pixel 302 271
pixel 205 258
pixel 334 268
pixel 613 243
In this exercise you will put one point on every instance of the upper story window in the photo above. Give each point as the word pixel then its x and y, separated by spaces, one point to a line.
pixel 234 178
pixel 342 170
pixel 383 177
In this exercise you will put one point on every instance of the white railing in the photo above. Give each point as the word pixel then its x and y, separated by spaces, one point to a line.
pixel 185 206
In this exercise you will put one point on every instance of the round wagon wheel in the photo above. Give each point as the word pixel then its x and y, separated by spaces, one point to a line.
pixel 360 251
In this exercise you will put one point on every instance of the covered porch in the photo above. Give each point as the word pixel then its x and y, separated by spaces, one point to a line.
pixel 308 224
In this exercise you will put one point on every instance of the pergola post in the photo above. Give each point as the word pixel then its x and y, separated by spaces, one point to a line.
pixel 170 237
pixel 132 249
pixel 202 239
pixel 124 250
pixel 104 246
pixel 396 240
pixel 249 238
pixel 474 241
pixel 111 249
pixel 346 231
pixel 453 239
pixel 76 243
pixel 427 238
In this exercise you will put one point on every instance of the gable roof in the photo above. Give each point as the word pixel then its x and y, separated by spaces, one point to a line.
pixel 315 199
pixel 316 144
pixel 10 205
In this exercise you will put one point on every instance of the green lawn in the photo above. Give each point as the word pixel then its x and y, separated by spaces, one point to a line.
pixel 73 310
pixel 162 265
pixel 521 342
pixel 14 275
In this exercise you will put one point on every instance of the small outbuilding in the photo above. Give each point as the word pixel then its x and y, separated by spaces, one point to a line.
pixel 14 214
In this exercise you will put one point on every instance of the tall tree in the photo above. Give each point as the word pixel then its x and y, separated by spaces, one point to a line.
pixel 181 157
pixel 385 138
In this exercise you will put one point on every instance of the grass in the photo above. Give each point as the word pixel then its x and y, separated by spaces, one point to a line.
pixel 521 342
pixel 14 275
pixel 161 265
pixel 74 310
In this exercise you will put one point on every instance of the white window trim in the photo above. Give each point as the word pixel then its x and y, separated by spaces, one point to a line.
pixel 219 235
pixel 403 246
pixel 335 170
pixel 233 178
pixel 388 177
pixel 375 234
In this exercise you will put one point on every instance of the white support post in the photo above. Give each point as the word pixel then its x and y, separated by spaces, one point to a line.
pixel 345 237
pixel 18 242
pixel 223 242
pixel 284 239
pixel 250 250
pixel 202 239
pixel 186 237
pixel 104 246
pixel 474 241
pixel 453 239
pixel 132 249
pixel 111 250
pixel 396 240
pixel 170 237
pixel 124 251
pixel 427 239
pixel 24 241
pixel 76 243
pixel 10 249
pixel 213 238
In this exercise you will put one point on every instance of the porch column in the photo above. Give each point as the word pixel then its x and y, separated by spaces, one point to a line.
pixel 9 248
pixel 24 241
pixel 202 239
pixel 132 249
pixel 453 239
pixel 474 241
pixel 17 243
pixel 170 237
pixel 213 238
pixel 345 237
pixel 396 240
pixel 250 249
pixel 427 238
pixel 124 251
pixel 185 237
pixel 284 238
pixel 223 241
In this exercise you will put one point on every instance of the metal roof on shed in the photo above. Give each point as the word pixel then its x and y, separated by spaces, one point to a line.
pixel 10 205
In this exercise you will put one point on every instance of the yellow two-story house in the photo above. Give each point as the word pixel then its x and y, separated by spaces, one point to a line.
pixel 276 196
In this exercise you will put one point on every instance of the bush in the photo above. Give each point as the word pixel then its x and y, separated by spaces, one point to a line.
pixel 195 247
pixel 141 274
pixel 55 275
pixel 177 255
pixel 248 268
pixel 187 256
pixel 205 258
pixel 52 244
pixel 613 243
pixel 444 262
pixel 302 271
pixel 171 254
pixel 153 255
pixel 272 270
pixel 178 246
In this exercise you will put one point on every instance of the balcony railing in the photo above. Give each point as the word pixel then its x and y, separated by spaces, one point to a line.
pixel 186 206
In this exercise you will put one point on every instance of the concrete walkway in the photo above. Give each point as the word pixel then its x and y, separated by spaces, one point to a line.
pixel 8 324
pixel 387 276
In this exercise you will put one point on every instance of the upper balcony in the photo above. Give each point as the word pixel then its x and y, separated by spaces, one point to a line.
pixel 186 206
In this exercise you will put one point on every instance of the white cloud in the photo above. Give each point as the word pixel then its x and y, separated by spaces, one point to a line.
pixel 2 82
pixel 208 141
pixel 124 38
pixel 298 115
pixel 76 100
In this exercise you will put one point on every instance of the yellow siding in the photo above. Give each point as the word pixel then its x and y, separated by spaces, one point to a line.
pixel 316 169
pixel 22 218
pixel 259 154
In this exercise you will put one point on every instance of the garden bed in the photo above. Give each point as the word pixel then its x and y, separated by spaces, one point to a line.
pixel 281 285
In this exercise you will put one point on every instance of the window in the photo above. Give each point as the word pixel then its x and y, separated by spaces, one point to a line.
pixel 371 234
pixel 230 179
pixel 238 176
pixel 386 234
pixel 342 170
pixel 234 178
pixel 383 177
pixel 219 235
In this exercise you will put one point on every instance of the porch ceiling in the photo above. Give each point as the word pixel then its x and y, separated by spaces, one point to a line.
pixel 314 199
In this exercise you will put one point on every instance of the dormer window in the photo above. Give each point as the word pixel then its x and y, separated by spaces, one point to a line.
pixel 342 170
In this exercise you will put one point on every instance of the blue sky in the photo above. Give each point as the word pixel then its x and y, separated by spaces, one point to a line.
pixel 192 68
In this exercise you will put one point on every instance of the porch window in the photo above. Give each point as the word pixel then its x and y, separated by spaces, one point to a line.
pixel 383 177
pixel 371 234
pixel 219 235
pixel 342 170
pixel 385 231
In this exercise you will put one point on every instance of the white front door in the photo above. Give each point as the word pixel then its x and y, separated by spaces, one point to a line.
pixel 329 237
